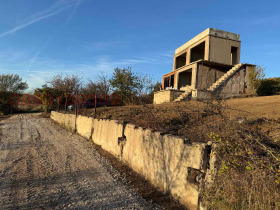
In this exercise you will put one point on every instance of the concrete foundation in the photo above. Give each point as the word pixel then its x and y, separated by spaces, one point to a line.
pixel 166 96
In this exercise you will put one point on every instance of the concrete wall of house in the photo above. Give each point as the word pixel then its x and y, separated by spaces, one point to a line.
pixel 218 45
pixel 193 41
pixel 217 49
pixel 185 78
pixel 188 51
pixel 208 75
pixel 220 50
pixel 237 85
pixel 164 160
pixel 193 68
pixel 200 95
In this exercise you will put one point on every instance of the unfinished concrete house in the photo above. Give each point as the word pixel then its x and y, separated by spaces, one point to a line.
pixel 209 64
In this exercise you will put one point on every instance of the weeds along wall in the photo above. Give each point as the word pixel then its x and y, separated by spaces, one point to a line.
pixel 164 160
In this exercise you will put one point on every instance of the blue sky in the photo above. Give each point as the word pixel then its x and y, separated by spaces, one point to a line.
pixel 42 38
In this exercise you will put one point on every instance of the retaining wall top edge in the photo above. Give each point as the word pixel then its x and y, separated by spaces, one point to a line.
pixel 174 137
pixel 86 116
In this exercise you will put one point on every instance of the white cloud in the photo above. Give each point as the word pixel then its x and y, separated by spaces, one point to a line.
pixel 44 68
pixel 33 60
pixel 168 54
pixel 58 7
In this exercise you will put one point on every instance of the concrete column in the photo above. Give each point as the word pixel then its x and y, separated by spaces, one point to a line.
pixel 194 73
pixel 174 63
pixel 188 56
pixel 177 80
pixel 207 49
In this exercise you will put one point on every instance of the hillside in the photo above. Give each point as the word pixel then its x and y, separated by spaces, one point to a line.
pixel 195 118
pixel 244 134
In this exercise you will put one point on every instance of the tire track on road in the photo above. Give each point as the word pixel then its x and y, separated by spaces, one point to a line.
pixel 45 166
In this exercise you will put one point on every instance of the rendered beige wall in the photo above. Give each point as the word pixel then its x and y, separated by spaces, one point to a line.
pixel 164 160
pixel 84 126
pixel 220 50
pixel 66 120
pixel 106 134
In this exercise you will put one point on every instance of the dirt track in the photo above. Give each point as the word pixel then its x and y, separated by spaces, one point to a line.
pixel 44 166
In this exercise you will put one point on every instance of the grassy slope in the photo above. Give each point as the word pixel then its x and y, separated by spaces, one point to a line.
pixel 247 133
pixel 194 119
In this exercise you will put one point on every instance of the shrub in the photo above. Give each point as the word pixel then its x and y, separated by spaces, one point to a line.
pixel 268 87
pixel 6 106
pixel 248 168
pixel 255 76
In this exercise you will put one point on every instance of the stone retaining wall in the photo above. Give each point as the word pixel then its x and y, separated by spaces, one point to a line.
pixel 168 162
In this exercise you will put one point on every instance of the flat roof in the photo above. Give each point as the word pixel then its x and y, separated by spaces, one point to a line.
pixel 210 32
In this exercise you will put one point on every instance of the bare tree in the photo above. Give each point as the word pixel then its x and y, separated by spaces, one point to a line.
pixel 103 84
pixel 145 84
pixel 100 86
pixel 69 85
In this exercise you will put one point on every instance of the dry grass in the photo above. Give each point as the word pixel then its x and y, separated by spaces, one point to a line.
pixel 29 108
pixel 255 107
pixel 248 165
pixel 246 132
pixel 193 119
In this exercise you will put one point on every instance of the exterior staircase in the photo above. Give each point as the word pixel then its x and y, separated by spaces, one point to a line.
pixel 188 90
pixel 225 77
pixel 184 95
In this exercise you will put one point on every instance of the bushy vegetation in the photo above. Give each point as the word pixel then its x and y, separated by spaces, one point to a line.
pixel 248 167
pixel 268 87
pixel 262 86
pixel 247 148
pixel 49 98
pixel 255 77
pixel 6 106
pixel 133 88
pixel 128 87
pixel 10 84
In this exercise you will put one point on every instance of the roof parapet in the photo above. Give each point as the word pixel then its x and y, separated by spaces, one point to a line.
pixel 210 32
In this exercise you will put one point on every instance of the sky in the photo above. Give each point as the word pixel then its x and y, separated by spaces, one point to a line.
pixel 43 38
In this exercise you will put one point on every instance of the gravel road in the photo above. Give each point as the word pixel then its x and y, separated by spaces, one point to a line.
pixel 46 167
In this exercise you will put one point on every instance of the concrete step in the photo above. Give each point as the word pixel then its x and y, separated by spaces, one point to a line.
pixel 182 96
